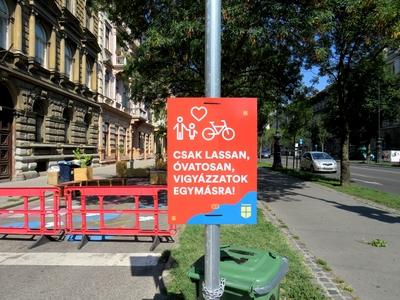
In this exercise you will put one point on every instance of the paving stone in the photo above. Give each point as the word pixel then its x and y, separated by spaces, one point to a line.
pixel 333 292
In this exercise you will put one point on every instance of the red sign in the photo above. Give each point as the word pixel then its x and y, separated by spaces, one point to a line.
pixel 212 160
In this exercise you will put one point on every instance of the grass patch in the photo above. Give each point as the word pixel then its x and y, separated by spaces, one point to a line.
pixel 296 285
pixel 378 243
pixel 324 265
pixel 265 164
pixel 347 288
pixel 343 285
pixel 386 199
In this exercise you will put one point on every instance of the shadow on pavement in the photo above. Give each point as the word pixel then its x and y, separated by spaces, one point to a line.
pixel 366 211
pixel 274 186
pixel 165 262
pixel 277 187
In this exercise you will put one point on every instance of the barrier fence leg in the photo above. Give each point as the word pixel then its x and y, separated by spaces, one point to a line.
pixel 156 242
pixel 62 236
pixel 84 240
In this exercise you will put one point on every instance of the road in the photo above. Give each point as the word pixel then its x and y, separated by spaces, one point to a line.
pixel 385 179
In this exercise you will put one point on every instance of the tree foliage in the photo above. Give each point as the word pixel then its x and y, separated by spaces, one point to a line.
pixel 372 88
pixel 349 34
pixel 262 45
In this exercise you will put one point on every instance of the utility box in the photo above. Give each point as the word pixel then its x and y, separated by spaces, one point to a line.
pixel 248 273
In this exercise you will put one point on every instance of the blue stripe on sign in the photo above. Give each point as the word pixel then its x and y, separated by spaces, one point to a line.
pixel 230 213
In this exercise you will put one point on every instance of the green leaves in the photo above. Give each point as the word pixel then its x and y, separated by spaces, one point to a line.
pixel 263 43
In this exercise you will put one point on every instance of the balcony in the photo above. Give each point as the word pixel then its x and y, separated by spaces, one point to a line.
pixel 120 62
pixel 139 114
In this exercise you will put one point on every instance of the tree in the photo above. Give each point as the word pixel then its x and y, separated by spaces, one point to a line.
pixel 299 116
pixel 373 89
pixel 348 33
pixel 262 42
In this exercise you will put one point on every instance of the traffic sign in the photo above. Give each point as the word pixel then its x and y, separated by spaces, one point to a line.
pixel 212 160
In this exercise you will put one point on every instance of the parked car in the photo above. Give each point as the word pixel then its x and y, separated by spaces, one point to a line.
pixel 265 153
pixel 316 161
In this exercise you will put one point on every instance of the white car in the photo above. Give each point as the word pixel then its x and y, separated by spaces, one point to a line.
pixel 316 161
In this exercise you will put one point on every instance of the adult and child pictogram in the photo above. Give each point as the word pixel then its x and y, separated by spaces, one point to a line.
pixel 198 113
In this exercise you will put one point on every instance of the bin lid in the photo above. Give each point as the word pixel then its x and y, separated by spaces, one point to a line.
pixel 252 270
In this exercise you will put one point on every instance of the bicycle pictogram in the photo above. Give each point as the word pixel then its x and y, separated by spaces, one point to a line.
pixel 227 133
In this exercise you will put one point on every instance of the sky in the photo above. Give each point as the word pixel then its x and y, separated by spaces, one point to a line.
pixel 308 75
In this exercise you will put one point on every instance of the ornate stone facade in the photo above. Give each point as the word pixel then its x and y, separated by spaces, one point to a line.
pixel 126 130
pixel 48 82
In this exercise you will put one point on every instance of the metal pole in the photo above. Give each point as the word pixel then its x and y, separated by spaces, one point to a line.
pixel 211 287
pixel 379 141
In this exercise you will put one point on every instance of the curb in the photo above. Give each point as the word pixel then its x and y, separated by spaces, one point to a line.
pixel 325 279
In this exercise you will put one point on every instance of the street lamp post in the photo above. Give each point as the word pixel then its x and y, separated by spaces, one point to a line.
pixel 379 140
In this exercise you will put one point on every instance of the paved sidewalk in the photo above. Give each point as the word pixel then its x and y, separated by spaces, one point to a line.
pixel 336 228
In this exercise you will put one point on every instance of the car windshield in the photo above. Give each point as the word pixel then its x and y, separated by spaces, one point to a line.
pixel 321 155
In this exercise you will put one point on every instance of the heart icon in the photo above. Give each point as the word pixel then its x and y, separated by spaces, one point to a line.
pixel 198 112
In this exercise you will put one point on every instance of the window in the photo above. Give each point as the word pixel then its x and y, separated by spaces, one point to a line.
pixel 68 61
pixel 106 144
pixel 40 112
pixel 107 38
pixel 89 20
pixel 107 89
pixel 397 65
pixel 87 120
pixel 67 116
pixel 41 45
pixel 89 67
pixel 3 24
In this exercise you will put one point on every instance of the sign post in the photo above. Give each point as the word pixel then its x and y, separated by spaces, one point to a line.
pixel 212 158
pixel 211 289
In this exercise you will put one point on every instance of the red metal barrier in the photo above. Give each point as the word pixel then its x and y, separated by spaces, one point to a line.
pixel 101 211
pixel 36 220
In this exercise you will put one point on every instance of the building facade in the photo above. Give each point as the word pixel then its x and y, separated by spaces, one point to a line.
pixel 48 67
pixel 391 128
pixel 125 129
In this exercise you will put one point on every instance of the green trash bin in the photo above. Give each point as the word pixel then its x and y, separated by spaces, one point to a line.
pixel 248 273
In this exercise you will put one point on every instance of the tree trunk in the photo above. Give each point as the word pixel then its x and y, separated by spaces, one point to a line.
pixel 345 162
pixel 277 163
pixel 345 132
